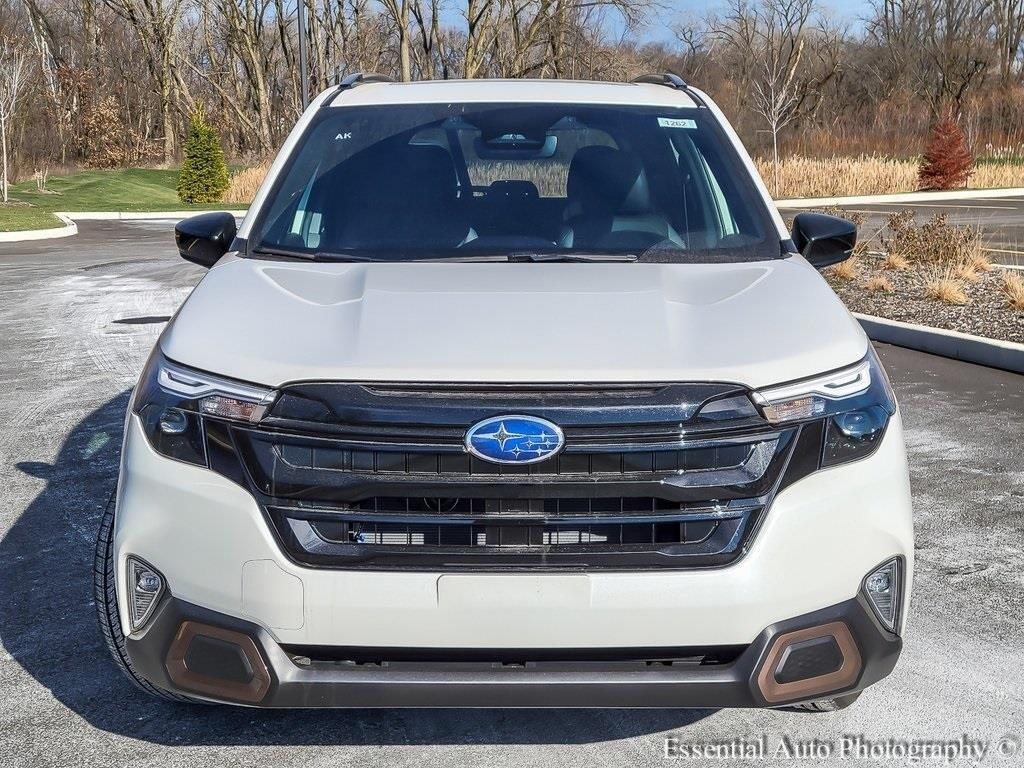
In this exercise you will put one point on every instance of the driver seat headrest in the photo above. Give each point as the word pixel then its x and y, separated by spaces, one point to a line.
pixel 604 181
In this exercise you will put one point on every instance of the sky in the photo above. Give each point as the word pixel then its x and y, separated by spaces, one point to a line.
pixel 658 27
pixel 849 11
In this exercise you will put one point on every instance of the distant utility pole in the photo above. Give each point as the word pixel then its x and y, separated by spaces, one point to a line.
pixel 303 77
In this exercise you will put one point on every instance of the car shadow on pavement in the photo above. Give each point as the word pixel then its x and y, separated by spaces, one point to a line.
pixel 48 626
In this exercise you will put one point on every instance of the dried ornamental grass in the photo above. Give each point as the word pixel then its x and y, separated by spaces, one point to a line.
pixel 826 177
pixel 945 289
pixel 980 261
pixel 895 261
pixel 845 270
pixel 997 175
pixel 1013 289
pixel 242 186
pixel 801 176
pixel 879 284
pixel 967 271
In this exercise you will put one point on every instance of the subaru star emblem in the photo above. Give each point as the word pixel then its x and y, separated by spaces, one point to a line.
pixel 514 439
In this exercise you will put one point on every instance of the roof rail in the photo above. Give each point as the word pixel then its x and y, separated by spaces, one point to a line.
pixel 672 81
pixel 357 78
pixel 662 78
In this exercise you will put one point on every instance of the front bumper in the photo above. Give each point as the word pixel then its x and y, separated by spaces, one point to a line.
pixel 267 675
pixel 230 582
pixel 209 538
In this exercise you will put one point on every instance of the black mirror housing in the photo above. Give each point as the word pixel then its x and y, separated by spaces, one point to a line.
pixel 824 240
pixel 203 239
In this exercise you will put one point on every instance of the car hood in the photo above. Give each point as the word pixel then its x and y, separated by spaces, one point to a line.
pixel 755 323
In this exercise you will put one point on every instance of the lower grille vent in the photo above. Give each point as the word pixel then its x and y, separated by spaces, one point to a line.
pixel 399 532
pixel 525 534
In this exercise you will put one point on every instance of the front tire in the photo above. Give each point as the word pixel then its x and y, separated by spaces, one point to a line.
pixel 104 575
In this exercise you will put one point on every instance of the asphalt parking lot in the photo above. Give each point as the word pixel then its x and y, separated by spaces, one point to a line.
pixel 1001 220
pixel 77 318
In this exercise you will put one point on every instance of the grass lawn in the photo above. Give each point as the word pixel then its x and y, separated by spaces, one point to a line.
pixel 15 218
pixel 123 189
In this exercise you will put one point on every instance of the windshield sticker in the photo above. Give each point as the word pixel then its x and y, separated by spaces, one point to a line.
pixel 677 122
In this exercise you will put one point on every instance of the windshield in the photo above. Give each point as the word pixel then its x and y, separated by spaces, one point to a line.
pixel 461 181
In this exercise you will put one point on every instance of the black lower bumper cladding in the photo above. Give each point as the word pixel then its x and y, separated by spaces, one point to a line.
pixel 197 652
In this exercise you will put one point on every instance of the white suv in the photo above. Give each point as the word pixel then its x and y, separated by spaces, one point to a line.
pixel 510 393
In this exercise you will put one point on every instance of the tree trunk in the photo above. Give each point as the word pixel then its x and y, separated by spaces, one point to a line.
pixel 167 118
pixel 3 152
pixel 403 42
pixel 775 158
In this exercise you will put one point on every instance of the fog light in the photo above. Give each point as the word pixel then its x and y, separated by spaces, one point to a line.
pixel 173 421
pixel 148 582
pixel 145 586
pixel 853 434
pixel 879 582
pixel 860 424
pixel 882 587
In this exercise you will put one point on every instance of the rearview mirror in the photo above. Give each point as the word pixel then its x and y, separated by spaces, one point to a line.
pixel 824 240
pixel 515 147
pixel 203 239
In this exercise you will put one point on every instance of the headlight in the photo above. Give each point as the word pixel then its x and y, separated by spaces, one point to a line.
pixel 856 403
pixel 172 400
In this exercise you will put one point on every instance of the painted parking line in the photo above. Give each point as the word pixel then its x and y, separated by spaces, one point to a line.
pixel 999 200
pixel 1003 250
pixel 965 207
pixel 871 212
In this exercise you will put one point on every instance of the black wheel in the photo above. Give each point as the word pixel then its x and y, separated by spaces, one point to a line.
pixel 828 705
pixel 104 575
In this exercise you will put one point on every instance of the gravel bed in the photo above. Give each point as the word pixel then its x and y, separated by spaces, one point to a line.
pixel 986 312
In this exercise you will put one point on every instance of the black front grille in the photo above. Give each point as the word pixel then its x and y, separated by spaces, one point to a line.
pixel 594 506
pixel 377 476
pixel 300 467
pixel 700 459
pixel 490 533
pixel 403 533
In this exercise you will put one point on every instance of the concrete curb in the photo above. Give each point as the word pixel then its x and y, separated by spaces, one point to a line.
pixel 138 215
pixel 70 228
pixel 936 341
pixel 20 235
pixel 903 197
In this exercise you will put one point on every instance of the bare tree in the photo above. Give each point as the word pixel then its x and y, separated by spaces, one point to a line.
pixel 784 54
pixel 695 45
pixel 942 49
pixel 953 29
pixel 117 78
pixel 398 10
pixel 157 24
pixel 13 76
pixel 1008 29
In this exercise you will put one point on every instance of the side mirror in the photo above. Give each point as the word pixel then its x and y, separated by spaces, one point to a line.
pixel 203 239
pixel 824 240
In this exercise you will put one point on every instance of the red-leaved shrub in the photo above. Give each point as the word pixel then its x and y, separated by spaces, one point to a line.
pixel 947 162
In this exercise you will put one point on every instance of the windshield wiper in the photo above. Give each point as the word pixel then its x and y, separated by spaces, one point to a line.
pixel 590 257
pixel 294 253
pixel 530 257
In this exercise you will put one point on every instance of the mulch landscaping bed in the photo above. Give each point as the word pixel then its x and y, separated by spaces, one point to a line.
pixel 985 314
